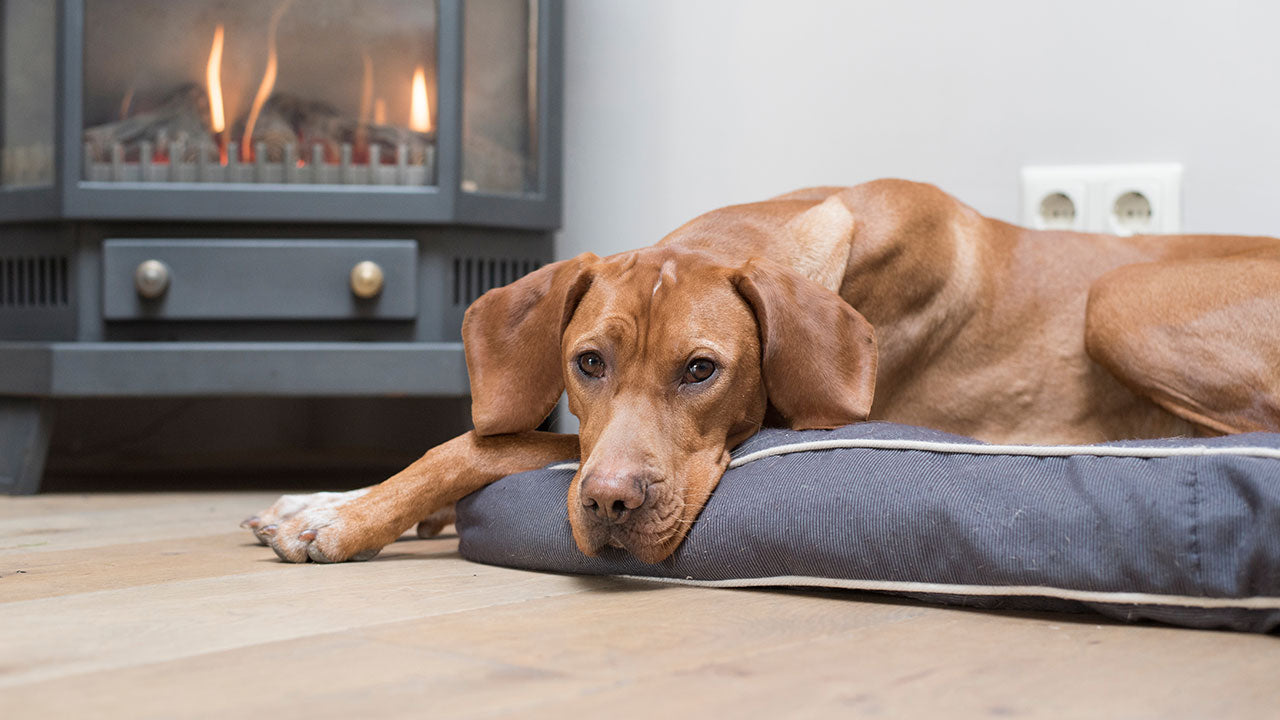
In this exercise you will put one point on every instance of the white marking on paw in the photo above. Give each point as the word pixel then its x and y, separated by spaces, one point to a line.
pixel 295 514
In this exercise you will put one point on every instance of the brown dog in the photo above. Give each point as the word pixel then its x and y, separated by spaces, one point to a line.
pixel 890 300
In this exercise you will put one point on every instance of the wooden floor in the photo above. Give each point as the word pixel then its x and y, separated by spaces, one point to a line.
pixel 158 606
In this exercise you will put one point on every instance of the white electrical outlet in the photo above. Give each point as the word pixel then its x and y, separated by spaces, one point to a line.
pixel 1055 198
pixel 1118 199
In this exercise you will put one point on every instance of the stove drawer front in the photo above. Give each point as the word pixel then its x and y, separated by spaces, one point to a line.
pixel 259 279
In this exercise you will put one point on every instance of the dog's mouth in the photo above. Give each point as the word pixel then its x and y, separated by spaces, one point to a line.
pixel 653 528
pixel 645 547
pixel 651 533
pixel 649 547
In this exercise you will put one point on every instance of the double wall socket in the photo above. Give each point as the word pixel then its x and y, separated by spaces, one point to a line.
pixel 1117 199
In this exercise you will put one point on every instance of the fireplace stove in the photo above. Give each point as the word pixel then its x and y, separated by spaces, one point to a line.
pixel 261 198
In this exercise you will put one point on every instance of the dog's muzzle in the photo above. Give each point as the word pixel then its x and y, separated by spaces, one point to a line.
pixel 613 497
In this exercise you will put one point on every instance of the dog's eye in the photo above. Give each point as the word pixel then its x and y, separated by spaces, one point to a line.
pixel 591 364
pixel 699 370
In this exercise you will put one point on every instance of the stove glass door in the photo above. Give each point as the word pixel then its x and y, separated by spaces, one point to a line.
pixel 320 92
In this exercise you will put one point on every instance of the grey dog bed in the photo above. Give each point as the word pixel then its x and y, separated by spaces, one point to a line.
pixel 1183 531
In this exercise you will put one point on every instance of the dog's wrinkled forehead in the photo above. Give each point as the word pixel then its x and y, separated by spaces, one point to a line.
pixel 660 292
pixel 656 277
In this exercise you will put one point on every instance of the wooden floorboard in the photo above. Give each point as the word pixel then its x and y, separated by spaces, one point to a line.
pixel 48 527
pixel 155 606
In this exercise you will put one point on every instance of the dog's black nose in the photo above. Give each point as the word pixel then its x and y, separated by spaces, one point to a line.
pixel 614 496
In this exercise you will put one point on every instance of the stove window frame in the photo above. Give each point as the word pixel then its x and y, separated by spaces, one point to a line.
pixel 71 198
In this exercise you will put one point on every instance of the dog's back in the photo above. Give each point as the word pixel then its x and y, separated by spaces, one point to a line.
pixel 981 325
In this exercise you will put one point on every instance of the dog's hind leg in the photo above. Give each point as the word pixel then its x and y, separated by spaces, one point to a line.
pixel 1199 337
pixel 431 525
pixel 356 525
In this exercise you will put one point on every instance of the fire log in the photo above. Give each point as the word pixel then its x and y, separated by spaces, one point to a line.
pixel 288 119
pixel 181 118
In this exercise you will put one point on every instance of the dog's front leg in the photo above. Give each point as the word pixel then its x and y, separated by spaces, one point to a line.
pixel 356 525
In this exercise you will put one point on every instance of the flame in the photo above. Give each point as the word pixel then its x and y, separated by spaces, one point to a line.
pixel 213 73
pixel 419 110
pixel 379 112
pixel 268 81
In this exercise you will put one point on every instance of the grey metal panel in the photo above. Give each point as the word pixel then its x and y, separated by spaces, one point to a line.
pixel 514 211
pixel 51 314
pixel 551 76
pixel 541 209
pixel 70 115
pixel 449 104
pixel 25 368
pixel 37 323
pixel 17 205
pixel 378 204
pixel 88 279
pixel 259 279
pixel 441 251
pixel 25 427
pixel 233 369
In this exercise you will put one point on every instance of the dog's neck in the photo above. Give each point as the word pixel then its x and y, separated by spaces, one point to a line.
pixel 915 271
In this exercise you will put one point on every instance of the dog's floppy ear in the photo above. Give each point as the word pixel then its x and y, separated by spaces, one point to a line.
pixel 818 354
pixel 512 340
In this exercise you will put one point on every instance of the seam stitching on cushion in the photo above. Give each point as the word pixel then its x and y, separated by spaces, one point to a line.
pixel 951 448
pixel 1020 450
pixel 1258 602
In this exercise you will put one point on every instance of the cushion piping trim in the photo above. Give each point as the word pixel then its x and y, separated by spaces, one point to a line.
pixel 958 448
pixel 896 586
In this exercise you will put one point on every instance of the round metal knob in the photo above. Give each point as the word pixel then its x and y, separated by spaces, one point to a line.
pixel 366 279
pixel 151 279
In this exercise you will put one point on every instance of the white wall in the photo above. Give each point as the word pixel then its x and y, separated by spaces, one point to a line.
pixel 674 107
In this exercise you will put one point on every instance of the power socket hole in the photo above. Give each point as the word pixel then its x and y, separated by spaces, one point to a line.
pixel 1132 212
pixel 1057 211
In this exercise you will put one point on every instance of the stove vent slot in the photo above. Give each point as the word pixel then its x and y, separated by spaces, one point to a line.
pixel 473 277
pixel 34 281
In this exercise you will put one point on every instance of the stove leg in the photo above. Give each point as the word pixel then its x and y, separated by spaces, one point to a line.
pixel 25 427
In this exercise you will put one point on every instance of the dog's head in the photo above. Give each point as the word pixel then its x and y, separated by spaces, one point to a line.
pixel 670 359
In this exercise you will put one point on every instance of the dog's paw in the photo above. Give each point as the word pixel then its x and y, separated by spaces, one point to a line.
pixel 313 527
pixel 288 506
